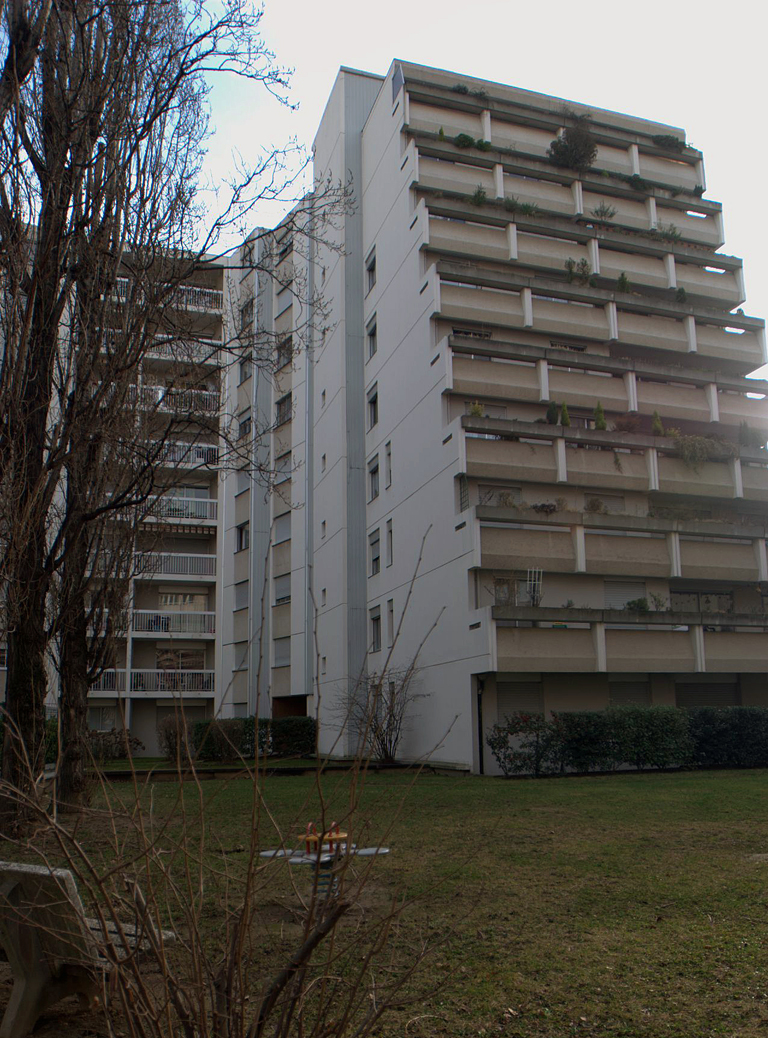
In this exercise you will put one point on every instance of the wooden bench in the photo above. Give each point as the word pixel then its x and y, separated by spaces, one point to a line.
pixel 54 950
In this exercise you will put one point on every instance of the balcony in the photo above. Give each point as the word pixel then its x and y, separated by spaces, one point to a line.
pixel 187 351
pixel 171 564
pixel 173 682
pixel 156 682
pixel 194 509
pixel 147 621
pixel 584 640
pixel 111 681
pixel 174 400
pixel 188 455
pixel 187 297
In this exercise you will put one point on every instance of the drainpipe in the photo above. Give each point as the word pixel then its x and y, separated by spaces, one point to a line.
pixel 480 688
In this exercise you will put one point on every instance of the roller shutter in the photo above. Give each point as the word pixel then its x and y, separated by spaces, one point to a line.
pixel 619 592
pixel 629 693
pixel 710 693
pixel 515 696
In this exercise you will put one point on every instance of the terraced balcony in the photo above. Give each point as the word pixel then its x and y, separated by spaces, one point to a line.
pixel 158 623
pixel 596 640
pixel 151 565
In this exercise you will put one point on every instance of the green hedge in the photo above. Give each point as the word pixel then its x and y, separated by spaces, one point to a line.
pixel 236 738
pixel 631 736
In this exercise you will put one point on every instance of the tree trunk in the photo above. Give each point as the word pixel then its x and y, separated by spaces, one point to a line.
pixel 73 713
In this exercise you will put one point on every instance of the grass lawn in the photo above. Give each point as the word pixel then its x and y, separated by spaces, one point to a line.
pixel 625 906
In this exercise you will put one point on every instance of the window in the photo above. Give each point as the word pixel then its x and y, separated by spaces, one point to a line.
pixel 244 425
pixel 283 409
pixel 246 317
pixel 373 478
pixel 281 529
pixel 373 343
pixel 246 369
pixel 284 351
pixel 373 406
pixel 242 481
pixel 322 530
pixel 463 493
pixel 322 399
pixel 390 622
pixel 283 466
pixel 374 553
pixel 390 545
pixel 282 655
pixel 375 622
pixel 3 657
pixel 241 595
pixel 323 596
pixel 101 718
pixel 180 659
pixel 242 537
pixel 388 464
pixel 370 270
pixel 282 588
pixel 323 664
pixel 322 463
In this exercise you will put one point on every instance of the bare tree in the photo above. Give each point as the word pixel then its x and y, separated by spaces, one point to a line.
pixel 102 134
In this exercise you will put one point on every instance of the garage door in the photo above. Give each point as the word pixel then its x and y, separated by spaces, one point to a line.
pixel 519 696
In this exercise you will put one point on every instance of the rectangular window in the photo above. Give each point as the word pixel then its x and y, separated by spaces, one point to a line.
pixel 390 622
pixel 374 553
pixel 390 544
pixel 282 652
pixel 375 623
pixel 322 399
pixel 282 589
pixel 370 270
pixel 463 493
pixel 101 718
pixel 281 529
pixel 284 351
pixel 242 481
pixel 242 537
pixel 323 529
pixel 373 478
pixel 373 342
pixel 373 406
pixel 323 664
pixel 323 596
pixel 323 461
pixel 246 369
pixel 241 595
pixel 283 409
pixel 283 467
pixel 388 464
pixel 244 425
pixel 246 317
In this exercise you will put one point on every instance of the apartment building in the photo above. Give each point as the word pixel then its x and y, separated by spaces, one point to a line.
pixel 419 451
pixel 551 562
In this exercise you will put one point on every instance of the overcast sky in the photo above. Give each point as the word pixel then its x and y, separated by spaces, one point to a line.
pixel 700 66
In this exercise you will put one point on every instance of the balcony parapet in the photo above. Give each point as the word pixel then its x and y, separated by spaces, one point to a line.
pixel 576 614
pixel 756 529
pixel 614 365
pixel 616 440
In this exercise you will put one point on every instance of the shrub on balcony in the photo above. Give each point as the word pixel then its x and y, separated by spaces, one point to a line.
pixel 463 140
pixel 600 423
pixel 575 148
pixel 657 427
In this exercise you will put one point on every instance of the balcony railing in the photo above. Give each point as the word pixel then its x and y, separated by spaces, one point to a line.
pixel 189 454
pixel 174 399
pixel 174 681
pixel 146 621
pixel 110 681
pixel 190 297
pixel 184 508
pixel 195 351
pixel 164 564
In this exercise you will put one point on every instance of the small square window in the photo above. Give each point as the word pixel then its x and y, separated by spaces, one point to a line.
pixel 375 624
pixel 373 478
pixel 373 406
pixel 374 553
